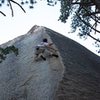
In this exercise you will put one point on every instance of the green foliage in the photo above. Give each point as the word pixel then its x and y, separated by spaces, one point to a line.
pixel 7 50
pixel 84 15
pixel 78 24
pixel 65 10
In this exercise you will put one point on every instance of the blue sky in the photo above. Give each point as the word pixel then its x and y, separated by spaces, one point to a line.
pixel 42 15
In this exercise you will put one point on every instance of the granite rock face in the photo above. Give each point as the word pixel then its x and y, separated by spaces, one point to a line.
pixel 81 79
pixel 22 78
pixel 74 75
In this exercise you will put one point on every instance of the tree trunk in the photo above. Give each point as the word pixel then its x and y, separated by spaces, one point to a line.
pixel 97 3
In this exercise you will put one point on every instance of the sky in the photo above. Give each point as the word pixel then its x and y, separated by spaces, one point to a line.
pixel 42 15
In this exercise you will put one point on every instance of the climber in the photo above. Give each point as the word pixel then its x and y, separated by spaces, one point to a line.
pixel 45 46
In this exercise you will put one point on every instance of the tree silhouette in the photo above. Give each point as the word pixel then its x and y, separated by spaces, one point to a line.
pixel 85 14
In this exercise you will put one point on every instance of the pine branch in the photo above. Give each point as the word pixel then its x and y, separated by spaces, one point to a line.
pixel 92 13
pixel 94 17
pixel 97 3
pixel 19 5
pixel 83 4
pixel 87 23
pixel 12 12
pixel 93 37
pixel 2 13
